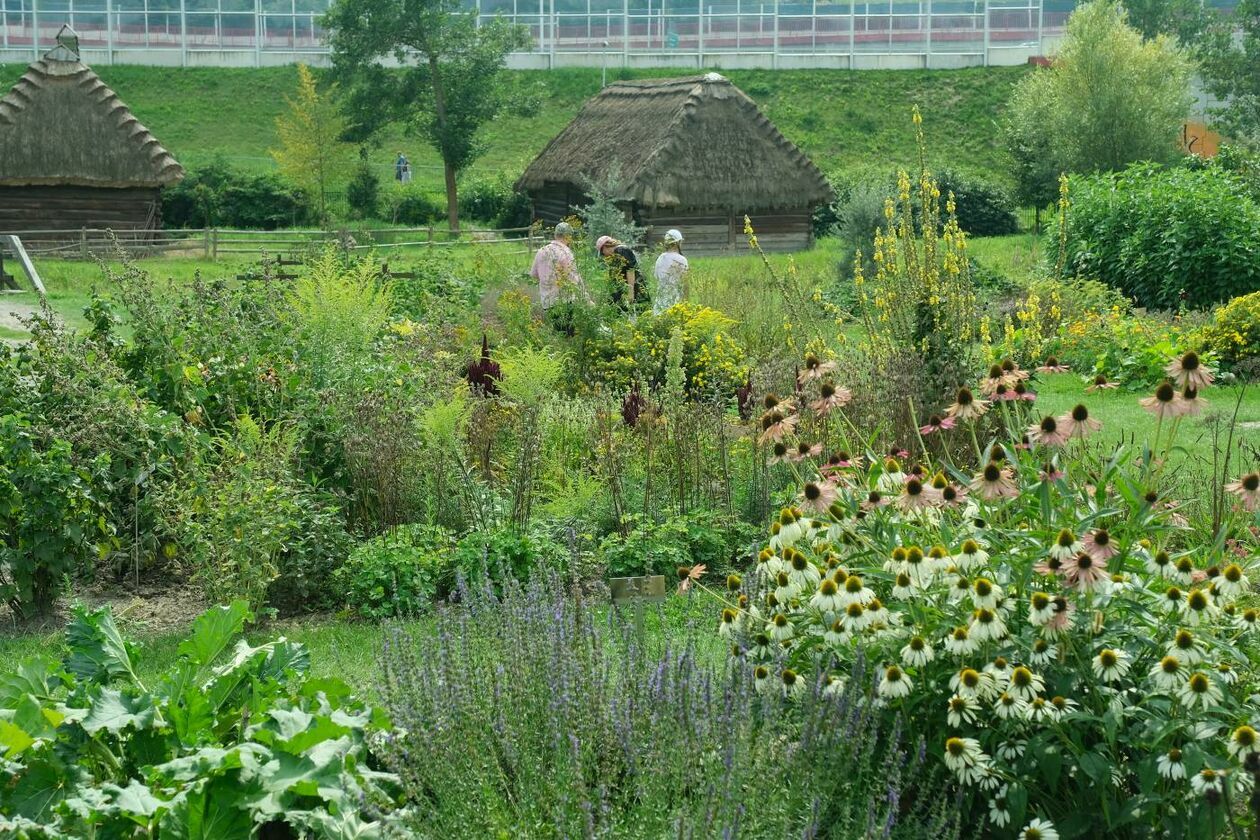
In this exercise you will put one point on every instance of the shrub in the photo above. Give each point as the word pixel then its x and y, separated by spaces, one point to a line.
pixel 363 193
pixel 503 555
pixel 714 539
pixel 1165 237
pixel 399 573
pixel 216 195
pixel 529 712
pixel 982 207
pixel 51 522
pixel 223 744
pixel 1234 333
pixel 411 205
pixel 494 201
pixel 1078 651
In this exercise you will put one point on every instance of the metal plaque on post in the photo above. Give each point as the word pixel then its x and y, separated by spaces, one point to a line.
pixel 637 592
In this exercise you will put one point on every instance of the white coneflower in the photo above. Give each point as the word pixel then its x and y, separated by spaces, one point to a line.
pixel 793 683
pixel 1065 546
pixel 1243 741
pixel 1008 706
pixel 835 685
pixel 837 634
pixel 1248 620
pixel 1040 608
pixel 1199 691
pixel 998 815
pixel 903 587
pixel 1172 599
pixel 1170 765
pixel 856 618
pixel 986 626
pixel 855 591
pixel 1041 710
pixel 780 628
pixel 972 683
pixel 1013 749
pixel 1226 673
pixel 1043 652
pixel 892 478
pixel 1188 372
pixel 877 616
pixel 962 710
pixel 1233 581
pixel 1197 608
pixel 959 589
pixel 1168 673
pixel 827 598
pixel 965 758
pixel 895 683
pixel 761 679
pixel 1000 670
pixel 726 629
pixel 959 642
pixel 1208 782
pixel 1159 563
pixel 917 652
pixel 1025 684
pixel 802 572
pixel 970 557
pixel 1187 648
pixel 1111 664
pixel 1064 705
pixel 985 594
pixel 784 589
pixel 1039 829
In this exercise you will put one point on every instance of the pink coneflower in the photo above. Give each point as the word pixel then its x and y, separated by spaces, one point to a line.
pixel 1050 565
pixel 775 425
pixel 1051 472
pixel 1052 365
pixel 995 482
pixel 914 495
pixel 1083 572
pixel 818 496
pixel 781 453
pixel 1047 433
pixel 937 423
pixel 1246 488
pixel 1191 403
pixel 815 368
pixel 953 494
pixel 1099 545
pixel 875 499
pixel 966 406
pixel 1012 370
pixel 838 462
pixel 996 378
pixel 1061 620
pixel 1025 444
pixel 1101 383
pixel 831 398
pixel 1004 393
pixel 898 452
pixel 1164 403
pixel 804 451
pixel 1189 372
pixel 1077 423
pixel 1022 393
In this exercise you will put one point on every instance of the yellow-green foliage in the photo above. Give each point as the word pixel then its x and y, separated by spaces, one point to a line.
pixel 637 352
pixel 1234 333
pixel 311 151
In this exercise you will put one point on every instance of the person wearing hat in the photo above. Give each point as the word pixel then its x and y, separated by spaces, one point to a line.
pixel 558 279
pixel 671 272
pixel 623 274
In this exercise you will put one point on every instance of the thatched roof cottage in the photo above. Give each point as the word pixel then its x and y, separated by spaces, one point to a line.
pixel 693 153
pixel 72 155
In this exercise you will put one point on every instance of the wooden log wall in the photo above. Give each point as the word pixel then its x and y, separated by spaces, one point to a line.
pixel 70 209
pixel 715 232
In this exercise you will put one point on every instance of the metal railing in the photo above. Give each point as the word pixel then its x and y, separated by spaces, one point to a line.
pixel 256 32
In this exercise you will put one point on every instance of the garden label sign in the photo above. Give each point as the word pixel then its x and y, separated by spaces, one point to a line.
pixel 637 592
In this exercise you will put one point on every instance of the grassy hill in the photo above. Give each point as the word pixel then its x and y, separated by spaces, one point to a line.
pixel 845 121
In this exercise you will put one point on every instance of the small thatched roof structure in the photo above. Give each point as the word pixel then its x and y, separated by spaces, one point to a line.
pixel 692 142
pixel 62 126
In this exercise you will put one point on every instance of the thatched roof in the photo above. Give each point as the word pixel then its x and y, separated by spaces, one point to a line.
pixel 692 142
pixel 61 125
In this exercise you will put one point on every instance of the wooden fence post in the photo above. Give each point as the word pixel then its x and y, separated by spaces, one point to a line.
pixel 83 249
pixel 214 244
pixel 205 233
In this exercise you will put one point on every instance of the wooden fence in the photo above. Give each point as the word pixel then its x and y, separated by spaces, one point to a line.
pixel 211 243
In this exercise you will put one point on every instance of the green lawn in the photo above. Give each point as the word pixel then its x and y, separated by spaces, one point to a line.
pixel 845 121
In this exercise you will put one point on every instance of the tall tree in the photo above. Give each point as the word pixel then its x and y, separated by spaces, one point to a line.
pixel 1231 68
pixel 311 150
pixel 1186 20
pixel 1110 97
pixel 449 79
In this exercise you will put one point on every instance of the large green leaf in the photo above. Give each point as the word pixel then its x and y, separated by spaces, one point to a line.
pixel 214 761
pixel 39 787
pixel 212 631
pixel 114 711
pixel 98 652
pixel 344 825
pixel 135 801
pixel 207 812
pixel 13 740
pixel 38 676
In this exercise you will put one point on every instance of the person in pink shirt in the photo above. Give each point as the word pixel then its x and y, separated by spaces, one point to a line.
pixel 556 272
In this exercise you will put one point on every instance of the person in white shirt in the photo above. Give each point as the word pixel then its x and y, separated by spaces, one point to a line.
pixel 671 272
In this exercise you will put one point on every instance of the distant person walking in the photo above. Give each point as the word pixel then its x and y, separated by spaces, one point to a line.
pixel 559 282
pixel 671 273
pixel 400 166
pixel 406 178
pixel 626 286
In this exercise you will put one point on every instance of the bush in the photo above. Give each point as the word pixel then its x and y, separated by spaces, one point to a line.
pixel 528 711
pixel 216 195
pixel 399 573
pixel 1234 333
pixel 1076 649
pixel 503 555
pixel 711 538
pixel 982 207
pixel 363 193
pixel 1165 237
pixel 410 205
pixel 222 744
pixel 51 523
pixel 494 202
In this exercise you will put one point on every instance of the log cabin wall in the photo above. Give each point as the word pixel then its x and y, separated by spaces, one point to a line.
pixel 718 231
pixel 70 209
